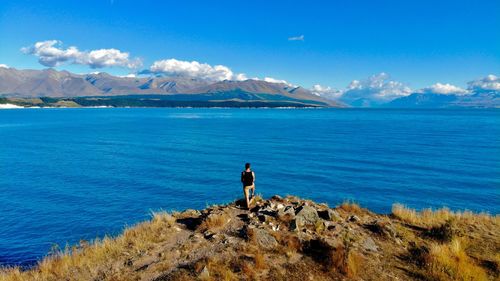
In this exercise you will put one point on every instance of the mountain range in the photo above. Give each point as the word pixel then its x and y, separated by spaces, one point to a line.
pixel 50 87
pixel 483 99
pixel 176 91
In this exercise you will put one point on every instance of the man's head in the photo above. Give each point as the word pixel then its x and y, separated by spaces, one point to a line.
pixel 247 166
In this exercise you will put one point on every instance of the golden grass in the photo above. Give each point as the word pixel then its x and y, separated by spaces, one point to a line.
pixel 260 261
pixel 214 221
pixel 429 217
pixel 351 207
pixel 451 262
pixel 94 260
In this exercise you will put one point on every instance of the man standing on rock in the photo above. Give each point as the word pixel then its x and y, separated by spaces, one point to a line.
pixel 248 180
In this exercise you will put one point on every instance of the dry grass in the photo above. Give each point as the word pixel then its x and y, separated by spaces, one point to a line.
pixel 93 261
pixel 354 264
pixel 429 217
pixel 451 262
pixel 260 261
pixel 346 261
pixel 351 207
pixel 214 221
pixel 291 243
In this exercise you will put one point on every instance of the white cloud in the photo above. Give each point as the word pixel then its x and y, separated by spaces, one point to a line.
pixel 273 80
pixel 488 83
pixel 195 69
pixel 51 53
pixel 377 88
pixel 326 92
pixel 3 65
pixel 130 75
pixel 444 89
pixel 296 38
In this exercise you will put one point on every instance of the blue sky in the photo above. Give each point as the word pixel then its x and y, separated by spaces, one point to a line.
pixel 417 42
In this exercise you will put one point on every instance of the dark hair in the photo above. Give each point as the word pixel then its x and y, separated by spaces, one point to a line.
pixel 247 165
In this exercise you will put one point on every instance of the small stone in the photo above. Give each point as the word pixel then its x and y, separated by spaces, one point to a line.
pixel 370 245
pixel 208 234
pixel 205 274
pixel 353 218
pixel 286 211
pixel 329 225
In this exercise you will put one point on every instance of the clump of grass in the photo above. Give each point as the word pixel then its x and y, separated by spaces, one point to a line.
pixel 429 217
pixel 220 270
pixel 351 207
pixel 451 262
pixel 291 243
pixel 260 260
pixel 444 232
pixel 93 261
pixel 214 221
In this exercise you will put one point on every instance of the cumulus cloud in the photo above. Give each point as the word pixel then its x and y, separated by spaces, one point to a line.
pixel 326 92
pixel 51 53
pixel 488 83
pixel 296 38
pixel 195 69
pixel 3 65
pixel 377 88
pixel 444 89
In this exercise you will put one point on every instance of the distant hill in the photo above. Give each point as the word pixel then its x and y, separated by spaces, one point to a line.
pixel 51 83
pixel 489 99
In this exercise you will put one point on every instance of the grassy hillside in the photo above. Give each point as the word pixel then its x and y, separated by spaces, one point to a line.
pixel 286 239
pixel 236 99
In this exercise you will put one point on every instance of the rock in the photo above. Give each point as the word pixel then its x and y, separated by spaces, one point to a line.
pixel 264 218
pixel 286 213
pixel 277 198
pixel 329 214
pixel 305 215
pixel 267 211
pixel 205 274
pixel 208 234
pixel 192 212
pixel 370 245
pixel 329 225
pixel 384 229
pixel 263 238
pixel 326 251
pixel 354 218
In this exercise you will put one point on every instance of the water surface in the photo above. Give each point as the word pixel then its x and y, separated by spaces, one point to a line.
pixel 71 174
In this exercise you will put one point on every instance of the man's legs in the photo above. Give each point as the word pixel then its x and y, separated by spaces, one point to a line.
pixel 245 192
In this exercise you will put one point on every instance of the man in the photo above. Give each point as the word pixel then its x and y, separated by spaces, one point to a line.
pixel 248 180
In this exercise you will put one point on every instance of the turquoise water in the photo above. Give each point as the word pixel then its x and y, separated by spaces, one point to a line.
pixel 71 174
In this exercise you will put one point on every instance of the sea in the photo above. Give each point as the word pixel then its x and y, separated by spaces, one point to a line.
pixel 78 174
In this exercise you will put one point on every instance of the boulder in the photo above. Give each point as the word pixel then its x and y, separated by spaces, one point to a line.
pixel 305 215
pixel 329 214
pixel 263 238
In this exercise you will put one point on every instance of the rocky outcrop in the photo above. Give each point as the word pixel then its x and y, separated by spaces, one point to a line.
pixel 282 239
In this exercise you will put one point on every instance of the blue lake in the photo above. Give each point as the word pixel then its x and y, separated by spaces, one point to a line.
pixel 71 174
